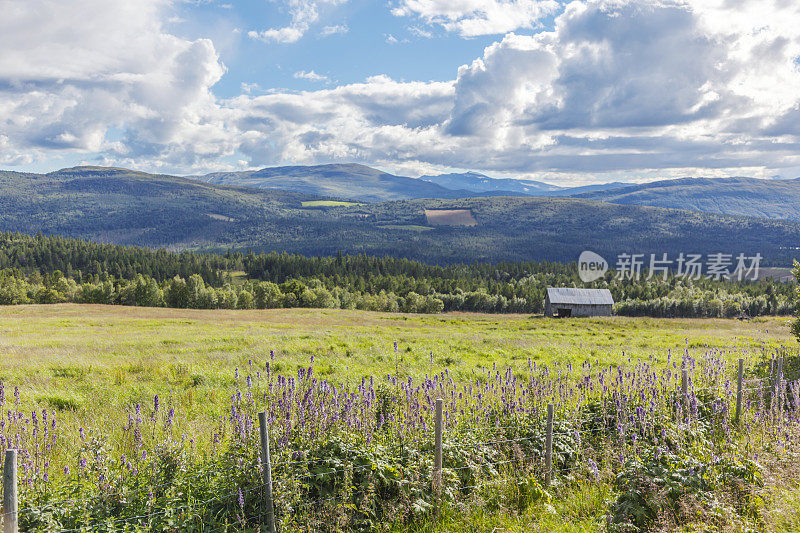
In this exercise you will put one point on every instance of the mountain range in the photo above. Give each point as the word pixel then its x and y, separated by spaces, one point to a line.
pixel 366 184
pixel 130 207
pixel 348 181
pixel 777 199
pixel 774 199
pixel 476 183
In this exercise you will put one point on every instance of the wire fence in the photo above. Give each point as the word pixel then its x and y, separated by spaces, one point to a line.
pixel 446 466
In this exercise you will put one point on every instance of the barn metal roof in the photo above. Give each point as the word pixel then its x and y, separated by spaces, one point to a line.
pixel 563 295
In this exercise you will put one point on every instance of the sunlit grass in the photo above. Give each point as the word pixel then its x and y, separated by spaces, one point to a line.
pixel 118 354
pixel 91 363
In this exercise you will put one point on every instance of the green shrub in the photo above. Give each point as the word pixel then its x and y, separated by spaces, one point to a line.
pixel 665 490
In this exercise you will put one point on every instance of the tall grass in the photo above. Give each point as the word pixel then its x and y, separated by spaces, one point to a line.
pixel 359 456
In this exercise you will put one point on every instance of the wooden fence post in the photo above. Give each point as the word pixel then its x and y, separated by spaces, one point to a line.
pixel 739 377
pixel 10 516
pixel 437 460
pixel 266 466
pixel 548 447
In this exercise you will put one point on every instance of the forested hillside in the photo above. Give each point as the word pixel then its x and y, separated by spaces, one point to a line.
pixel 38 269
pixel 480 183
pixel 355 182
pixel 126 207
pixel 776 199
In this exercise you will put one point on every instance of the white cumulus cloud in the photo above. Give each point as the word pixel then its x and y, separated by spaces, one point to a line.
pixel 337 29
pixel 471 18
pixel 310 76
pixel 303 14
pixel 72 71
pixel 616 88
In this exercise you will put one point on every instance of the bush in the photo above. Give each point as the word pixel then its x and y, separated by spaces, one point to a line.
pixel 245 300
pixel 267 295
pixel 176 294
pixel 666 490
pixel 100 293
pixel 143 291
pixel 13 291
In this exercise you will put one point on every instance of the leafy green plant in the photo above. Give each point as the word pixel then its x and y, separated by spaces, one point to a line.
pixel 669 488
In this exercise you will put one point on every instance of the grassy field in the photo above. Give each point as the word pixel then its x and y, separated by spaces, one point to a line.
pixel 83 352
pixel 91 359
pixel 92 363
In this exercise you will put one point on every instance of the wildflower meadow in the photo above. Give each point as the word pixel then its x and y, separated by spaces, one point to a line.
pixel 649 441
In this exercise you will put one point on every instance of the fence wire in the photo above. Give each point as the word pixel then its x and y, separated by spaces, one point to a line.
pixel 605 422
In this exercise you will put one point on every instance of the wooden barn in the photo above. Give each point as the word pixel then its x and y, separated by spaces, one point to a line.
pixel 566 302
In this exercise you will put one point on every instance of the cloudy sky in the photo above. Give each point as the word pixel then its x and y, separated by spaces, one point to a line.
pixel 570 93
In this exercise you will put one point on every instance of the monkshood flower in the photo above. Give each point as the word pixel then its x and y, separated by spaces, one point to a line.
pixel 241 507
pixel 632 404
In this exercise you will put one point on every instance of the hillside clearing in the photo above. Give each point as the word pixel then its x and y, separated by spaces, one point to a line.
pixel 450 217
pixel 328 203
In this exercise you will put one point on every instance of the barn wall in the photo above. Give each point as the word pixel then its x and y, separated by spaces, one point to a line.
pixel 578 309
pixel 590 310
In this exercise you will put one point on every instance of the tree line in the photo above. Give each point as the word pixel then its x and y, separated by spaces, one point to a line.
pixel 47 269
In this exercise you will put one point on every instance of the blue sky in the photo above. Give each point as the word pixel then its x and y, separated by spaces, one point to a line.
pixel 569 93
pixel 362 46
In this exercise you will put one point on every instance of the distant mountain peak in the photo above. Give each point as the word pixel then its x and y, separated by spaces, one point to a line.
pixel 356 168
pixel 481 183
pixel 475 174
pixel 352 181
pixel 83 169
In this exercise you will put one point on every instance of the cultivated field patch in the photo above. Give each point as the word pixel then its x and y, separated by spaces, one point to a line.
pixel 450 217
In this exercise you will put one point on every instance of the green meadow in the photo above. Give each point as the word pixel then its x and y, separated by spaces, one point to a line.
pixel 92 363
pixel 88 359
pixel 83 353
